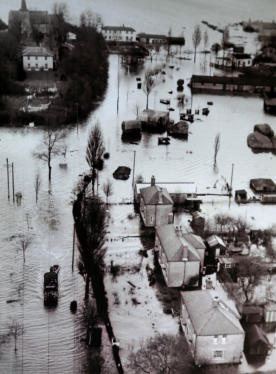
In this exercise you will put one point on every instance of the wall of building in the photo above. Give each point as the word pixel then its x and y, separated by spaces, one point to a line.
pixel 175 274
pixel 37 62
pixel 191 269
pixel 231 346
pixel 155 215
pixel 119 35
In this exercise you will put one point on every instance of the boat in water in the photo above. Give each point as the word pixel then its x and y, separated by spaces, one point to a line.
pixel 51 286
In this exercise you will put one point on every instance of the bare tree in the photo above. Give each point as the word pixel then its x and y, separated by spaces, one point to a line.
pixel 15 329
pixel 52 145
pixel 94 152
pixel 162 354
pixel 37 185
pixel 249 275
pixel 93 252
pixel 206 39
pixel 24 243
pixel 216 149
pixel 148 84
pixel 108 189
pixel 196 39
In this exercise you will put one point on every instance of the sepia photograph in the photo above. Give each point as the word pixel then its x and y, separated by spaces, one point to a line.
pixel 137 187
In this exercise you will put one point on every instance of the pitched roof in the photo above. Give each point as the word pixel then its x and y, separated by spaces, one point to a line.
pixel 210 317
pixel 214 240
pixel 118 28
pixel 155 195
pixel 36 51
pixel 151 36
pixel 175 246
pixel 241 56
pixel 255 334
pixel 195 240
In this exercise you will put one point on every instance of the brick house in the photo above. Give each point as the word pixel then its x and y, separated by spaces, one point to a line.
pixel 212 328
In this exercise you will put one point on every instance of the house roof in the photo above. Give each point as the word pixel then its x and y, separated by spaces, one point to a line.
pixel 155 195
pixel 241 56
pixel 119 28
pixel 175 246
pixel 214 240
pixel 173 188
pixel 151 36
pixel 255 334
pixel 195 240
pixel 253 81
pixel 36 51
pixel 210 317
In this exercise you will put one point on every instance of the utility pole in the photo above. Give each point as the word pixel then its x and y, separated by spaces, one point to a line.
pixel 77 105
pixel 73 252
pixel 133 171
pixel 8 178
pixel 118 85
pixel 232 172
pixel 12 183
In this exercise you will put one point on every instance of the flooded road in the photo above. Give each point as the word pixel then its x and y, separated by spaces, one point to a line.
pixel 51 339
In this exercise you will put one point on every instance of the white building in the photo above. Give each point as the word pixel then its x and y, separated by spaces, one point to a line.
pixel 37 58
pixel 119 33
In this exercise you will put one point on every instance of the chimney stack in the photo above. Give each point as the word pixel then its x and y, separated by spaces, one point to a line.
pixel 215 301
pixel 152 181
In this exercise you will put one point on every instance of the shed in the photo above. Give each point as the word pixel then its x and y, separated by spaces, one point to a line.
pixel 122 172
pixel 270 312
pixel 252 313
pixel 241 196
pixel 216 245
pixel 154 119
pixel 263 185
pixel 268 199
pixel 179 129
pixel 256 342
pixel 264 129
pixel 131 127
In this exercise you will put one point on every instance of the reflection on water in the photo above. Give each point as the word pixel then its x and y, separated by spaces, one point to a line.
pixel 51 339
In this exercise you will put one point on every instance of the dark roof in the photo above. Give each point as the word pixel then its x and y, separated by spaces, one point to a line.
pixel 152 36
pixel 118 28
pixel 269 25
pixel 214 240
pixel 241 55
pixel 155 195
pixel 175 246
pixel 210 316
pixel 195 240
pixel 252 309
pixel 263 184
pixel 36 51
pixel 39 17
pixel 255 334
pixel 253 81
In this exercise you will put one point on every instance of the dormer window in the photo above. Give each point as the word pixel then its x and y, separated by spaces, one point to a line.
pixel 215 339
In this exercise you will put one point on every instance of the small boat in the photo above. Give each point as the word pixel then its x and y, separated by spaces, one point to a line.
pixel 171 109
pixel 165 101
pixel 51 286
pixel 170 92
pixel 163 140
pixel 205 111
pixel 171 66
pixel 210 103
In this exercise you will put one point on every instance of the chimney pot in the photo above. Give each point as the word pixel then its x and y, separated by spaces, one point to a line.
pixel 152 181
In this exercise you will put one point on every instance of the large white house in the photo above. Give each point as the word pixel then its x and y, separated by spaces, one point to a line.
pixel 119 33
pixel 37 58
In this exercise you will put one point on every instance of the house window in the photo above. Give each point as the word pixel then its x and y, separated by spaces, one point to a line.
pixel 28 57
pixel 223 339
pixel 36 66
pixel 215 339
pixel 45 57
pixel 46 66
pixel 227 266
pixel 151 219
pixel 218 355
pixel 36 57
pixel 29 66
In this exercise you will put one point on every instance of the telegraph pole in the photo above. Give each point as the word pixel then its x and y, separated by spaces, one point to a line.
pixel 12 183
pixel 133 171
pixel 8 179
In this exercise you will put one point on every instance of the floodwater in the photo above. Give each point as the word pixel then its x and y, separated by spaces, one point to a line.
pixel 51 340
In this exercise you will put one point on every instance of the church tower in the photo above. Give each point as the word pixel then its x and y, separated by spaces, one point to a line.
pixel 23 6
